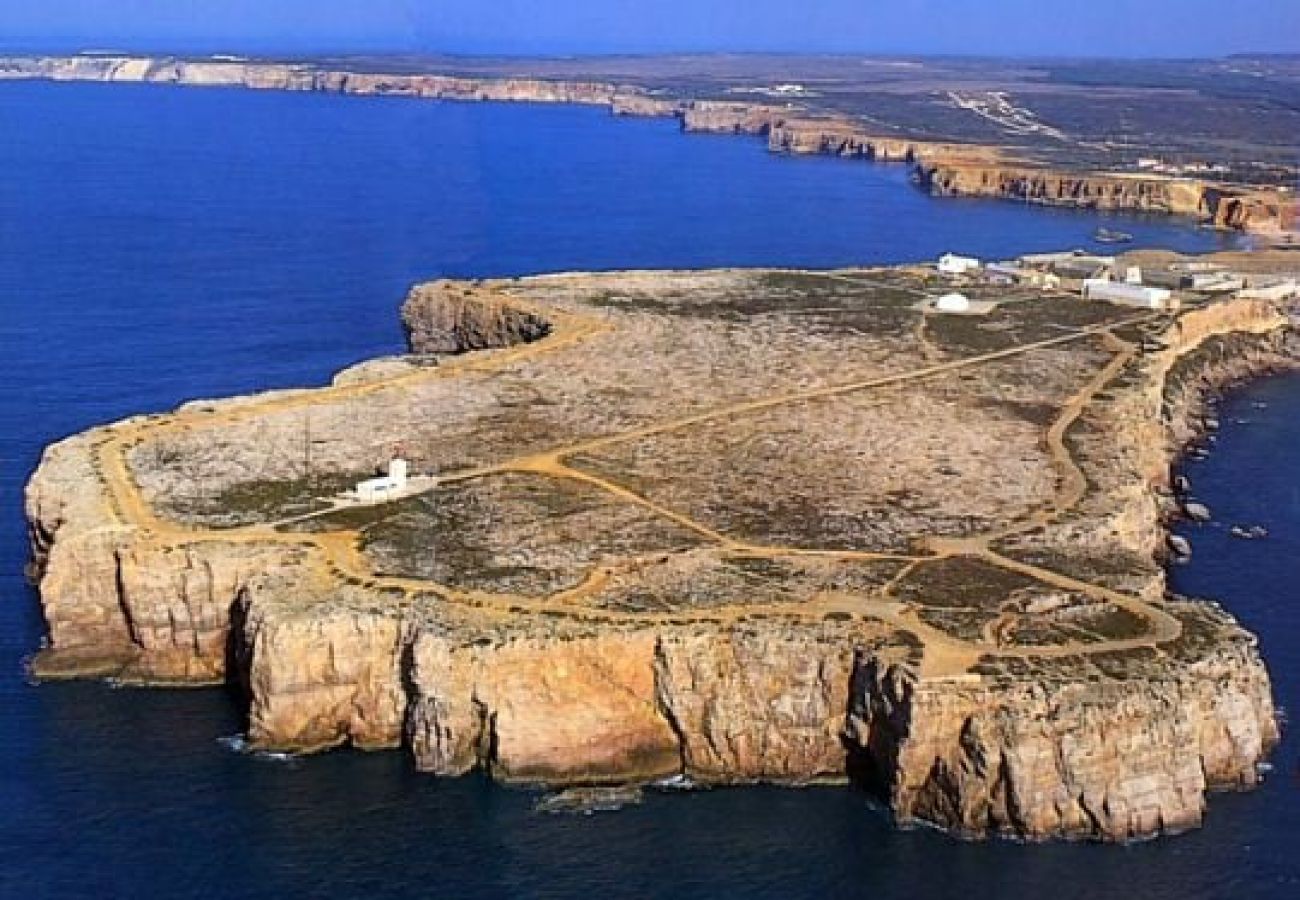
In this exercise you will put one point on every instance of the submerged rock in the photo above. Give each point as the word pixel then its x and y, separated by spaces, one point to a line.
pixel 1248 533
pixel 1180 546
pixel 588 800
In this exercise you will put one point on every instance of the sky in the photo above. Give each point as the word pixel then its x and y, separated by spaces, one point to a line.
pixel 1164 28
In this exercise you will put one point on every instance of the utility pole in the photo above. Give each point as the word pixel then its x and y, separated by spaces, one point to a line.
pixel 306 444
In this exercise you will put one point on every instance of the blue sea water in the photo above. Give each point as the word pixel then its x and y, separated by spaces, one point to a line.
pixel 159 244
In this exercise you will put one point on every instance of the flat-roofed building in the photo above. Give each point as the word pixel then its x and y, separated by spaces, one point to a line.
pixel 1210 280
pixel 384 487
pixel 1139 295
pixel 952 264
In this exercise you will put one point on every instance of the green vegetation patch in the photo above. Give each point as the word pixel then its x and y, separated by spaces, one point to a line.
pixel 961 582
pixel 1013 324
pixel 252 502
pixel 514 533
pixel 825 302
pixel 708 580
pixel 965 625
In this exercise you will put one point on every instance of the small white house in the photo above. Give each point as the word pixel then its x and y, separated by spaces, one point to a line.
pixel 385 487
pixel 953 303
pixel 1133 275
pixel 1128 294
pixel 952 264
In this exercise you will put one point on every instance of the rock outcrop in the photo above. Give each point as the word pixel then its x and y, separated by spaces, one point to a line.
pixel 450 317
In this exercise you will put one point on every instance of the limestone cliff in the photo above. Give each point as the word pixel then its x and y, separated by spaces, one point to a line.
pixel 725 117
pixel 1219 205
pixel 1047 757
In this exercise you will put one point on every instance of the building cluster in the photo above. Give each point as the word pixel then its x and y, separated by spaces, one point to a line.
pixel 1096 277
pixel 1154 164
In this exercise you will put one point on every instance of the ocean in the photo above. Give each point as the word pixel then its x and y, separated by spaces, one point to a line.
pixel 159 244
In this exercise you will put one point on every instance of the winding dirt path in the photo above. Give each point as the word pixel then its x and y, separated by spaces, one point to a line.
pixel 946 656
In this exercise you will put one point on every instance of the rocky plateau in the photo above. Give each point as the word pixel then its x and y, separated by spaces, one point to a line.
pixel 738 526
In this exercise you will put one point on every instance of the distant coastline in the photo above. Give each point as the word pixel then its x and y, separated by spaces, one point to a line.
pixel 794 125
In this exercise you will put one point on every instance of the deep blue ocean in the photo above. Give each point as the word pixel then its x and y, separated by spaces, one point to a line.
pixel 159 244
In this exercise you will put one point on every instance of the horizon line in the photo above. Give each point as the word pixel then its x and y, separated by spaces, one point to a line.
pixel 184 49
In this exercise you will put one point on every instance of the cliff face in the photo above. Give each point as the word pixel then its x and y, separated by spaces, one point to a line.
pixel 539 707
pixel 721 117
pixel 1120 759
pixel 841 140
pixel 116 603
pixel 634 103
pixel 1028 740
pixel 1218 205
pixel 301 77
pixel 316 678
pixel 560 705
pixel 1062 189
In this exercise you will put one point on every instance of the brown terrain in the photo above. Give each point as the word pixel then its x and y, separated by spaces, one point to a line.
pixel 734 525
pixel 1063 134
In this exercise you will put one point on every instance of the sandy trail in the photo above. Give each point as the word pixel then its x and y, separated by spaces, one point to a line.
pixel 945 656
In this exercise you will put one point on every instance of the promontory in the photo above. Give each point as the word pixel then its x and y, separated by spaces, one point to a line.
pixel 899 526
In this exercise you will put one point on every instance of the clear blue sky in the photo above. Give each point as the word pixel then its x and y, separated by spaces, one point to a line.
pixel 1021 27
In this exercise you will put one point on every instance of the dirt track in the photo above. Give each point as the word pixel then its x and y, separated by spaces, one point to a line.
pixel 946 655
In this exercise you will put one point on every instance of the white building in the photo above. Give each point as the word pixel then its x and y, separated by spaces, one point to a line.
pixel 1210 280
pixel 1128 294
pixel 385 487
pixel 953 303
pixel 952 264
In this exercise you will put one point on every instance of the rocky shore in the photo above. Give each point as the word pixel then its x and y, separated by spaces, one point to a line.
pixel 1015 668
pixel 944 169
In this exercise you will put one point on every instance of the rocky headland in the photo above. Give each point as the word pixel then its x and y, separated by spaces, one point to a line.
pixel 797 125
pixel 735 526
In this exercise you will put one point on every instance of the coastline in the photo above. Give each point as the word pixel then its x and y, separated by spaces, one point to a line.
pixel 940 168
pixel 281 710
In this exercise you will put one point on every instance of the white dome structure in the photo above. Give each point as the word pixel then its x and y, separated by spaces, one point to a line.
pixel 953 303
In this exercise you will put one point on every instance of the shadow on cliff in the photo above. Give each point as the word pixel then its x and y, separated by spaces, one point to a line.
pixel 238 658
pixel 873 721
